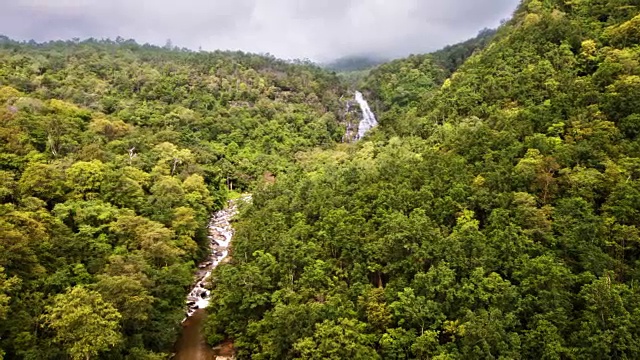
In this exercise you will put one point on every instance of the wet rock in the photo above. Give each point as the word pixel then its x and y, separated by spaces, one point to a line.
pixel 221 233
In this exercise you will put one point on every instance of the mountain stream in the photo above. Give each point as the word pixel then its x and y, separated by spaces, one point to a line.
pixel 191 344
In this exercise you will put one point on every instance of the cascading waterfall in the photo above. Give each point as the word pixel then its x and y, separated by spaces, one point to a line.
pixel 368 118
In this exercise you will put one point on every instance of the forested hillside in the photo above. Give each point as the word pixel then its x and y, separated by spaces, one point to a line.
pixel 495 216
pixel 112 157
pixel 397 87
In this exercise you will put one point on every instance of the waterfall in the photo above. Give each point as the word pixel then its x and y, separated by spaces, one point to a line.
pixel 368 118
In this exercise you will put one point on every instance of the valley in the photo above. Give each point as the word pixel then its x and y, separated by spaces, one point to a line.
pixel 476 202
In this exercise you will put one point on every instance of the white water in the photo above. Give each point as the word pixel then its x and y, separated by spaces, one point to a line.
pixel 368 118
pixel 220 234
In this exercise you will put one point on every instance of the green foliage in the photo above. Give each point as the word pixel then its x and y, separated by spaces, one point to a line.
pixel 83 323
pixel 343 340
pixel 113 156
pixel 495 216
pixel 6 285
pixel 452 57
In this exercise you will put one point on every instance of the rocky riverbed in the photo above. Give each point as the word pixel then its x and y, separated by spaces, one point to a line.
pixel 220 234
pixel 191 345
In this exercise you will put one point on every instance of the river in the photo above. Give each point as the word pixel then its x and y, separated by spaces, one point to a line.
pixel 191 345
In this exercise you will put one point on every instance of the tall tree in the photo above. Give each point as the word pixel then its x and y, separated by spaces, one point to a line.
pixel 83 323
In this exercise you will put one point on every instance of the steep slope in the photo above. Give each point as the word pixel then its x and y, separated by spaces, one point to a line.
pixel 398 87
pixel 264 106
pixel 502 224
pixel 112 157
pixel 451 57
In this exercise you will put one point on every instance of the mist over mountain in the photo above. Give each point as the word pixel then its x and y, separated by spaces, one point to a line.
pixel 354 63
pixel 449 57
pixel 321 30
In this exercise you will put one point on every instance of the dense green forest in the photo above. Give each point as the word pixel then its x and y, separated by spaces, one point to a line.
pixel 112 157
pixel 416 73
pixel 402 84
pixel 494 215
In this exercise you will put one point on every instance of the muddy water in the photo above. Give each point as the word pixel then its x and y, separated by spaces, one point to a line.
pixel 192 345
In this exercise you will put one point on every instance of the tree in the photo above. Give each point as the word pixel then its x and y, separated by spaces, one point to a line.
pixel 345 339
pixel 397 343
pixel 127 295
pixel 5 286
pixel 166 194
pixel 416 311
pixel 83 323
pixel 606 326
pixel 85 177
pixel 46 181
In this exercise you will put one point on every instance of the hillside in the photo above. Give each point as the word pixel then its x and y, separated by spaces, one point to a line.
pixel 399 86
pixel 494 216
pixel 112 157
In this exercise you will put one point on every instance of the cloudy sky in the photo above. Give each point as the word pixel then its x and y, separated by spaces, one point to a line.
pixel 320 30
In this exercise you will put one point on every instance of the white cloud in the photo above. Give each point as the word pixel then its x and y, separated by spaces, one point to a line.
pixel 317 29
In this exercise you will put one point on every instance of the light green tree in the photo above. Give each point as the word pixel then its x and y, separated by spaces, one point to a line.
pixel 83 323
pixel 346 339
pixel 5 287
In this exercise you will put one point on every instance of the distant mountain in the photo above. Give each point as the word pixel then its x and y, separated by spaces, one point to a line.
pixel 353 63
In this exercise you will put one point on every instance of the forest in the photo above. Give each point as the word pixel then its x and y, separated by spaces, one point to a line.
pixel 493 214
pixel 113 155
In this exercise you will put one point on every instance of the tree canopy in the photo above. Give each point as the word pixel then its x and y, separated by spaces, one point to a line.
pixel 113 156
pixel 492 215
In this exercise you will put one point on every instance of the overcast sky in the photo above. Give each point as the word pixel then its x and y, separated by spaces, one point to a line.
pixel 320 30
